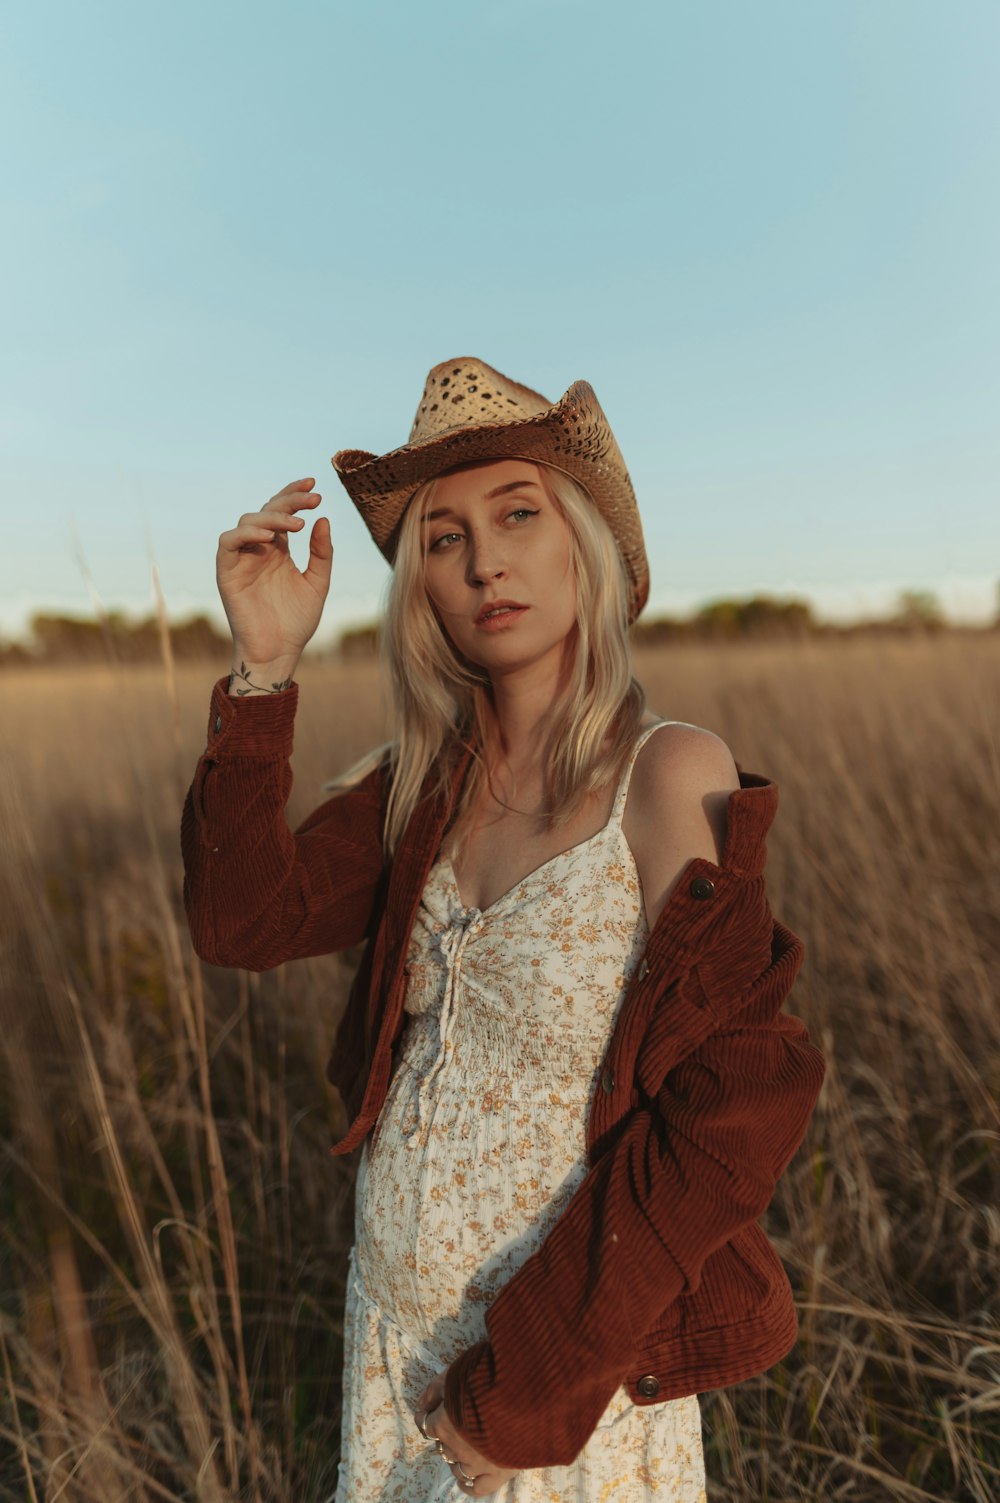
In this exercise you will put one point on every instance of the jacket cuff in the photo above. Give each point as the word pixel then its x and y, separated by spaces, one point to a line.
pixel 490 1410
pixel 252 725
pixel 457 1395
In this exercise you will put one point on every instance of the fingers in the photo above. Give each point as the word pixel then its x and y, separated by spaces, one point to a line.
pixel 248 532
pixel 428 1414
pixel 296 485
pixel 299 493
pixel 280 511
pixel 464 1475
pixel 481 1477
pixel 320 554
pixel 276 520
pixel 434 1391
pixel 464 1471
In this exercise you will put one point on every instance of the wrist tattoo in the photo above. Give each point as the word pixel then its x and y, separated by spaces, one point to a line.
pixel 244 674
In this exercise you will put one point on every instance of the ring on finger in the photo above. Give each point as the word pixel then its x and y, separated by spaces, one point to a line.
pixel 420 1419
pixel 442 1451
pixel 463 1476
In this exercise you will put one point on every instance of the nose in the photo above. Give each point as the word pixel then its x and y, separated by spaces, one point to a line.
pixel 485 562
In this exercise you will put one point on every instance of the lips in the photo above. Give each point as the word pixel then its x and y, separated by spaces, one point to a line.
pixel 497 610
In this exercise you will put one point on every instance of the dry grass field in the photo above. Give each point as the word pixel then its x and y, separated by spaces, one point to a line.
pixel 174 1230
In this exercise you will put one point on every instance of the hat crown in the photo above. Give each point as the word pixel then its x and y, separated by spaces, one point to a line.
pixel 465 393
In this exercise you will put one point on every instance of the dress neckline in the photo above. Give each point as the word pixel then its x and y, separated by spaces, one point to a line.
pixel 569 851
pixel 614 818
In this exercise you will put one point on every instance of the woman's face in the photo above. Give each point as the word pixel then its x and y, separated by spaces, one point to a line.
pixel 498 566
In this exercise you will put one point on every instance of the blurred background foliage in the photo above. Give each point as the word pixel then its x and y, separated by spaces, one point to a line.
pixel 66 640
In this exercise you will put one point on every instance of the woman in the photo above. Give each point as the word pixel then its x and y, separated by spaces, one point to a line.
pixel 564 1053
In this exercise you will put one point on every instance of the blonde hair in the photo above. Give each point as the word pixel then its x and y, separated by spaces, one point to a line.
pixel 443 701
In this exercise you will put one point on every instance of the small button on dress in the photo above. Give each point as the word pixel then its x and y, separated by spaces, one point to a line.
pixel 477 1151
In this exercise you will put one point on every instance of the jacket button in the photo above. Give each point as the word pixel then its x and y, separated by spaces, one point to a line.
pixel 648 1386
pixel 608 1081
pixel 701 887
pixel 218 724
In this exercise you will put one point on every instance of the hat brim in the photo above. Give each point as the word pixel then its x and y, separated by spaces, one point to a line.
pixel 573 436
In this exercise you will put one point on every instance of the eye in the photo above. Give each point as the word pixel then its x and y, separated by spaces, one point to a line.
pixel 522 512
pixel 439 544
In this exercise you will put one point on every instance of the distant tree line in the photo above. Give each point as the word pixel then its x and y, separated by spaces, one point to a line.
pixel 78 639
pixel 82 640
pixel 764 617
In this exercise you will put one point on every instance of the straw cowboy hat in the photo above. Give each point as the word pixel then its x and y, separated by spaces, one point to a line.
pixel 470 411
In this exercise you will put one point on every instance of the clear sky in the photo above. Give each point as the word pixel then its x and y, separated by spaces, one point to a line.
pixel 238 235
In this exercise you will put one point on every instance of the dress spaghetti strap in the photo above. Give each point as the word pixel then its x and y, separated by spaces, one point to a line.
pixel 618 807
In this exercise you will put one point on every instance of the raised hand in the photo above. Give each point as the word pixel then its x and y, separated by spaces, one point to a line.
pixel 273 608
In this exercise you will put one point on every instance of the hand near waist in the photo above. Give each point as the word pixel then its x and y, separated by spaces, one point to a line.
pixel 476 1475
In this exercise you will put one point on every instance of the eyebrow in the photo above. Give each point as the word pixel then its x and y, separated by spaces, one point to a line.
pixel 500 490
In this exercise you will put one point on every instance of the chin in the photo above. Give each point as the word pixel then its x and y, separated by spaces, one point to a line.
pixel 507 656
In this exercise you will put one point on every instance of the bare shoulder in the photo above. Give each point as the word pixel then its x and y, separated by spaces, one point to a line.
pixel 676 806
pixel 681 758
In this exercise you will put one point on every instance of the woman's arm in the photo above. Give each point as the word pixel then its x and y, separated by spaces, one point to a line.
pixel 676 807
pixel 256 894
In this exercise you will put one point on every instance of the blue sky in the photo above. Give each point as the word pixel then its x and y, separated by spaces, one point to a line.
pixel 238 236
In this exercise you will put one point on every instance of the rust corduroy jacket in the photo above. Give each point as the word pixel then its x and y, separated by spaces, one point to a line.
pixel 657 1274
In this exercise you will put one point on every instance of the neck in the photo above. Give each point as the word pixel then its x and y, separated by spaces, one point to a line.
pixel 524 712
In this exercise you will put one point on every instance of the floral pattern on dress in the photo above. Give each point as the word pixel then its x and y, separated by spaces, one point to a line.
pixel 478 1148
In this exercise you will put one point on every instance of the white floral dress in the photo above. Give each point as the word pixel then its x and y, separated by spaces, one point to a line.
pixel 479 1146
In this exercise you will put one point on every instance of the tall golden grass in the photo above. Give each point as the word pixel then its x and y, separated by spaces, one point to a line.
pixel 175 1232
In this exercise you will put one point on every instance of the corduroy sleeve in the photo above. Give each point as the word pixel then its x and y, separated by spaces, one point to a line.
pixel 690 1167
pixel 255 893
